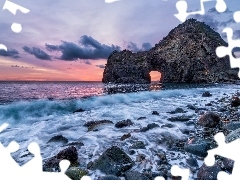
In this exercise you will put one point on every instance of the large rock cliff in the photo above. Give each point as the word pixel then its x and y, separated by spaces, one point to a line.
pixel 186 55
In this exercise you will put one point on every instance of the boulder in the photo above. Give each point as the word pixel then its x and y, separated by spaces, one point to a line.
pixel 52 164
pixel 177 110
pixel 113 161
pixel 233 135
pixel 198 147
pixel 209 119
pixel 76 173
pixel 109 177
pixel 58 139
pixel 123 123
pixel 135 175
pixel 92 125
pixel 149 127
pixel 208 172
pixel 235 101
pixel 206 94
pixel 138 145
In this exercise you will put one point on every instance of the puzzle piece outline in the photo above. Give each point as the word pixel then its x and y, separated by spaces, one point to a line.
pixel 228 150
pixel 182 7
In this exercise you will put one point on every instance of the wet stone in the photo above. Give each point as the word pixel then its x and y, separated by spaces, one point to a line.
pixel 155 113
pixel 208 172
pixel 52 164
pixel 233 135
pixel 232 126
pixel 192 107
pixel 149 127
pixel 123 123
pixel 135 175
pixel 182 118
pixel 76 144
pixel 58 139
pixel 141 118
pixel 209 119
pixel 167 126
pixel 109 177
pixel 91 125
pixel 125 136
pixel 138 145
pixel 79 110
pixel 192 162
pixel 235 101
pixel 113 161
pixel 206 94
pixel 177 110
pixel 198 147
pixel 76 173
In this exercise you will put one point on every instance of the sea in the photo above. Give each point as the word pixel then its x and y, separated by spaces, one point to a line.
pixel 37 111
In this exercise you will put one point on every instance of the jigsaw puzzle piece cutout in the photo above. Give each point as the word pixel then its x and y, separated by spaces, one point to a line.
pixel 184 173
pixel 159 178
pixel 221 6
pixel 236 16
pixel 35 164
pixel 8 165
pixel 222 51
pixel 12 7
pixel 228 150
pixel 182 7
pixel 88 178
pixel 64 164
pixel 111 1
pixel 223 176
pixel 5 125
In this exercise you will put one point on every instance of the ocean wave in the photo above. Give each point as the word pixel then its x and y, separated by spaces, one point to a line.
pixel 44 108
pixel 21 110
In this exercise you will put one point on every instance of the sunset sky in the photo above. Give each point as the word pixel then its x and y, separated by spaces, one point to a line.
pixel 69 40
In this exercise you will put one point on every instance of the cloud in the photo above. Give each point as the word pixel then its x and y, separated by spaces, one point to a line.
pixel 38 53
pixel 215 19
pixel 146 46
pixel 88 48
pixel 101 66
pixel 213 10
pixel 133 47
pixel 15 66
pixel 87 62
pixel 10 53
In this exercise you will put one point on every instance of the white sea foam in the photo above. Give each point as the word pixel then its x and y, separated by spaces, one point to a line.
pixel 40 120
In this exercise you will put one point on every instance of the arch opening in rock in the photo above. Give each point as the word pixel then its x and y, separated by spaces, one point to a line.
pixel 155 76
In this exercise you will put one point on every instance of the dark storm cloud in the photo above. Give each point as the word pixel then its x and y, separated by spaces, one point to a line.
pixel 101 66
pixel 10 53
pixel 38 53
pixel 133 47
pixel 88 48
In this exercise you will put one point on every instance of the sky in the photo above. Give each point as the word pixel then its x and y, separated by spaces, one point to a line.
pixel 69 40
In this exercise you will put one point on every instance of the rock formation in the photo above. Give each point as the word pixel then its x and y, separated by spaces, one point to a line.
pixel 186 55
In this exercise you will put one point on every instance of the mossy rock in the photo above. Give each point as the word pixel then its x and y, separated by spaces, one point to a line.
pixel 76 173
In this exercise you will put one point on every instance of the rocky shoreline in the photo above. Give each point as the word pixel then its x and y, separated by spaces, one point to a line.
pixel 220 115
